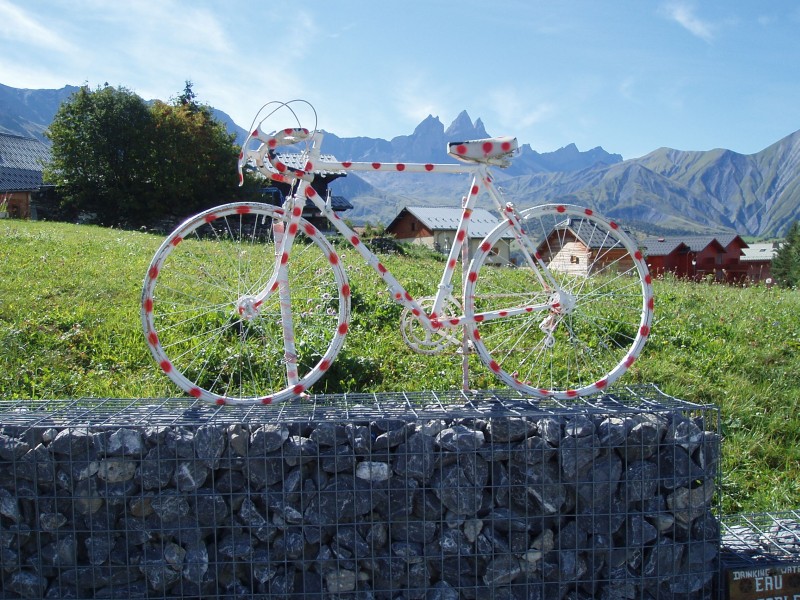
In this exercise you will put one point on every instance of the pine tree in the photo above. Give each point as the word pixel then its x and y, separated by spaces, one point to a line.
pixel 786 264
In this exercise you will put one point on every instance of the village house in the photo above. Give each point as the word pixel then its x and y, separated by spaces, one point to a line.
pixel 278 191
pixel 697 256
pixel 21 162
pixel 575 244
pixel 757 260
pixel 435 227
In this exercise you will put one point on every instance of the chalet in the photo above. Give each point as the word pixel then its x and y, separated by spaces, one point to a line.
pixel 757 260
pixel 575 244
pixel 322 179
pixel 696 256
pixel 21 162
pixel 436 228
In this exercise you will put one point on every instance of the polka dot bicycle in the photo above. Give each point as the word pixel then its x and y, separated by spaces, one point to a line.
pixel 249 303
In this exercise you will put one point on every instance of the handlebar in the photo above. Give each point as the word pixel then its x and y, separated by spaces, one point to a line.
pixel 272 168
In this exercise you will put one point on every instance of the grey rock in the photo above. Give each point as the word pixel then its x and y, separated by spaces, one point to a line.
pixel 49 521
pixel 116 470
pixel 98 548
pixel 373 471
pixel 676 468
pixel 268 438
pixel 27 584
pixel 460 438
pixel 455 490
pixel 340 581
pixel 9 506
pixel 122 442
pixel 170 506
pixel 415 458
pixel 510 429
pixel 189 475
pixel 72 442
pixel 209 445
pixel 502 570
pixel 180 442
pixel 157 467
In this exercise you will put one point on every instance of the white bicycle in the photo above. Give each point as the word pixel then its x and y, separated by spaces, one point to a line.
pixel 249 303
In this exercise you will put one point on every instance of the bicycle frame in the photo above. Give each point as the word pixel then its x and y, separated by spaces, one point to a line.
pixel 481 178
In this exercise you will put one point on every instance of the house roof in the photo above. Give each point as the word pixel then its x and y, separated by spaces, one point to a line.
pixel 439 218
pixel 759 252
pixel 21 163
pixel 694 243
pixel 588 233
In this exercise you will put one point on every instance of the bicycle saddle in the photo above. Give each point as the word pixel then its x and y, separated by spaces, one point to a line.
pixel 494 151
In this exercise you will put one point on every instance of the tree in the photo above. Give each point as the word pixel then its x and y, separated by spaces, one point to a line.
pixel 786 264
pixel 119 161
pixel 101 152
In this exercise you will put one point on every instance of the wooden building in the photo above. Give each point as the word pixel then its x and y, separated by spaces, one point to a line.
pixel 575 245
pixel 21 162
pixel 436 228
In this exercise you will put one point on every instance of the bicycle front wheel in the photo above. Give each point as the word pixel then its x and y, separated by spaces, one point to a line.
pixel 565 312
pixel 207 325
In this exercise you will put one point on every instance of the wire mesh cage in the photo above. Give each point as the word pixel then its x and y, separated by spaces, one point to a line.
pixel 760 555
pixel 425 495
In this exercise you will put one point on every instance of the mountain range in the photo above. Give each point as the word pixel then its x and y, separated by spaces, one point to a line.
pixel 665 192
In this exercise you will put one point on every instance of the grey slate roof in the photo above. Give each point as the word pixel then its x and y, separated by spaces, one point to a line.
pixel 759 252
pixel 439 218
pixel 695 243
pixel 588 233
pixel 21 163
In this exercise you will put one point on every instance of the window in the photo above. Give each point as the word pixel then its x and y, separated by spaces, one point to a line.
pixel 575 260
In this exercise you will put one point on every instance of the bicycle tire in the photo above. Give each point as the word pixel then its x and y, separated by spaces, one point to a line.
pixel 198 315
pixel 589 336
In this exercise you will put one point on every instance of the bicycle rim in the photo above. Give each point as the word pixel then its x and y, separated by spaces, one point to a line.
pixel 590 334
pixel 204 335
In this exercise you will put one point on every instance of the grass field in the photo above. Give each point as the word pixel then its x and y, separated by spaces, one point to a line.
pixel 69 328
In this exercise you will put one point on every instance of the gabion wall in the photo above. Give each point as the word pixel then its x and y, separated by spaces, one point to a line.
pixel 360 496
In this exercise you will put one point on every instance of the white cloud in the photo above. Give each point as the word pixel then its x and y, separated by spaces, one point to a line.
pixel 22 27
pixel 683 14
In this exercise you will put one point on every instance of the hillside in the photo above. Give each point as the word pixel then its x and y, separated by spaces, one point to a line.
pixel 665 191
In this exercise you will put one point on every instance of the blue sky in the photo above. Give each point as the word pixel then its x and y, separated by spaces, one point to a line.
pixel 628 75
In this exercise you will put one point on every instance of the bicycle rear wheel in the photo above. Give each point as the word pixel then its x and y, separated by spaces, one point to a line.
pixel 572 332
pixel 203 323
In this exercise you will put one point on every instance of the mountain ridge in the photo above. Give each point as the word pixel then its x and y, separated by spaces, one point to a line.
pixel 667 190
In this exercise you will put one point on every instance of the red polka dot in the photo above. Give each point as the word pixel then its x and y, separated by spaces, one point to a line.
pixel 334 258
pixel 284 258
pixel 487 147
pixel 485 246
pixel 266 400
pixel 347 164
pixel 571 393
pixel 325 365
pixel 494 366
pixel 474 191
pixel 561 209
pixel 648 279
pixel 343 329
pixel 506 146
pixel 630 360
pixel 210 218
pixel 195 392
pixel 451 264
pixel 345 290
pixel 473 276
pixel 355 241
pixel 176 240
pixel 503 313
pixel 309 167
pixel 166 366
pixel 461 149
pixel 381 268
pixel 311 192
pixel 645 330
pixel 220 401
pixel 461 235
pixel 400 167
pixel 280 166
pixel 453 321
pixel 242 210
pixel 153 272
pixel 298 389
pixel 429 167
pixel 408 297
pixel 613 225
pixel 376 165
pixel 288 131
pixel 148 305
pixel 638 255
pixel 293 229
pixel 297 211
pixel 310 229
pixel 588 211
pixel 651 303
pixel 255 133
pixel 415 312
pixel 479 318
pixel 476 335
pixel 152 338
